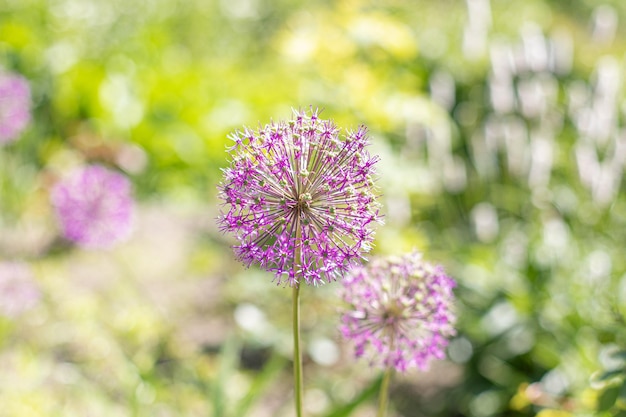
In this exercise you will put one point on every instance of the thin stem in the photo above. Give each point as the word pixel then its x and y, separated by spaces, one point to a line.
pixel 297 354
pixel 384 393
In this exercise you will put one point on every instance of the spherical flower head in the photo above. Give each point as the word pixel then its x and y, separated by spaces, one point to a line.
pixel 94 207
pixel 299 199
pixel 400 312
pixel 14 106
pixel 18 290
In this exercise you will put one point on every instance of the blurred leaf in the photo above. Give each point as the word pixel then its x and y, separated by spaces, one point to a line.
pixel 520 400
pixel 607 398
pixel 366 394
pixel 604 376
pixel 622 392
pixel 270 371
pixel 620 354
pixel 228 366
pixel 553 413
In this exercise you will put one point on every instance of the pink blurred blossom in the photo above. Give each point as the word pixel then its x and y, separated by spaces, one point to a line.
pixel 399 311
pixel 94 207
pixel 14 106
pixel 18 289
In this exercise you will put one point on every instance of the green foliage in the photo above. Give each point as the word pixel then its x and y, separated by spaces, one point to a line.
pixel 153 88
pixel 612 394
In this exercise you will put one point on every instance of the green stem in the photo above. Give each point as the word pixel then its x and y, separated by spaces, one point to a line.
pixel 297 354
pixel 384 393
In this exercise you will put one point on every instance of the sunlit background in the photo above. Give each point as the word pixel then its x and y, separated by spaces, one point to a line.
pixel 501 128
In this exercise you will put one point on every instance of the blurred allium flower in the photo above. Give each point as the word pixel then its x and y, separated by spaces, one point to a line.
pixel 14 106
pixel 300 176
pixel 400 311
pixel 18 290
pixel 94 207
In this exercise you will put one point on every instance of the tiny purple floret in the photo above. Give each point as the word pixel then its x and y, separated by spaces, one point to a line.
pixel 94 207
pixel 18 289
pixel 400 312
pixel 14 106
pixel 297 188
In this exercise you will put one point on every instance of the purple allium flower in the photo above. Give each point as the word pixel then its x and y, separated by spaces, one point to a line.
pixel 296 190
pixel 18 290
pixel 14 106
pixel 94 207
pixel 400 311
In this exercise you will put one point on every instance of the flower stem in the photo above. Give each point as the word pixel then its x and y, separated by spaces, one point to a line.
pixel 384 393
pixel 297 354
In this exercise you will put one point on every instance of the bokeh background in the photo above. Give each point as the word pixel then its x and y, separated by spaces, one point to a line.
pixel 501 129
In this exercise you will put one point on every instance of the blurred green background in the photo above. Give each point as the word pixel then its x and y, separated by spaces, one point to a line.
pixel 501 128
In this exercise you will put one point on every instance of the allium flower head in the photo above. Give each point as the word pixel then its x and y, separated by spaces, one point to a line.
pixel 400 311
pixel 299 199
pixel 14 106
pixel 18 290
pixel 94 207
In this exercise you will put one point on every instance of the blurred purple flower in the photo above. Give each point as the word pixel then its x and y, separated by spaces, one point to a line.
pixel 18 290
pixel 400 311
pixel 14 106
pixel 299 175
pixel 94 207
